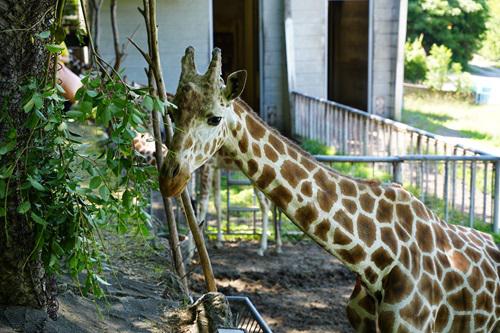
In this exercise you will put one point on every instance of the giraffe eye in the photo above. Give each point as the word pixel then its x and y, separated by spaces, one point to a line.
pixel 214 121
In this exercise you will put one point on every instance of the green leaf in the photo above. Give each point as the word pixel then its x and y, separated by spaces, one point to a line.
pixel 54 48
pixel 57 249
pixel 147 103
pixel 92 93
pixel 2 188
pixel 103 116
pixel 7 147
pixel 74 114
pixel 158 105
pixel 86 107
pixel 127 199
pixel 29 105
pixel 38 101
pixel 36 185
pixel 104 192
pixel 38 219
pixel 144 230
pixel 44 34
pixel 95 182
pixel 101 281
pixel 60 34
pixel 24 207
pixel 136 120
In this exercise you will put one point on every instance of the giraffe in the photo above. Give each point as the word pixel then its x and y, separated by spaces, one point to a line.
pixel 144 145
pixel 415 273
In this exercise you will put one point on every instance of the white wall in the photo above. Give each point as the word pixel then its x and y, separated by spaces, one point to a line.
pixel 385 48
pixel 309 24
pixel 273 63
pixel 181 23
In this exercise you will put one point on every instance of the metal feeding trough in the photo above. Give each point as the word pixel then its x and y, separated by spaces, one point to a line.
pixel 246 317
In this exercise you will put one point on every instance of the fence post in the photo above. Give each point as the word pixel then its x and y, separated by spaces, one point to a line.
pixel 445 194
pixel 397 172
pixel 496 199
pixel 345 130
pixel 472 195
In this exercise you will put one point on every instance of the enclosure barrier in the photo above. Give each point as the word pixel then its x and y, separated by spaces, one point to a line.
pixel 355 132
pixel 246 315
pixel 466 185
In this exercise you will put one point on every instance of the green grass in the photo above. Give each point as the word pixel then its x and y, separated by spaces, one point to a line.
pixel 453 116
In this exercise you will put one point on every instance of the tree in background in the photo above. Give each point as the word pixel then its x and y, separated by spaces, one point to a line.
pixel 457 24
pixel 491 44
pixel 415 60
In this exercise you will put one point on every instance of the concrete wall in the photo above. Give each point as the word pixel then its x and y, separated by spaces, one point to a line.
pixel 181 23
pixel 310 19
pixel 385 49
pixel 188 22
pixel 272 63
pixel 310 38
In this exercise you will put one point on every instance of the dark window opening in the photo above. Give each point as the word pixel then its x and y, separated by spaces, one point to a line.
pixel 348 52
pixel 236 33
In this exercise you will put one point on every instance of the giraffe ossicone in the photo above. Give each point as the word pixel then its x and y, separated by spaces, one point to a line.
pixel 415 272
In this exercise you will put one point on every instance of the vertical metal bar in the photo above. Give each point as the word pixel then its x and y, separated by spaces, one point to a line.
pixel 496 199
pixel 397 172
pixel 436 168
pixel 420 170
pixel 389 148
pixel 472 195
pixel 410 164
pixel 463 182
pixel 344 132
pixel 445 191
pixel 365 136
pixel 228 214
pixel 454 180
pixel 485 190
pixel 254 213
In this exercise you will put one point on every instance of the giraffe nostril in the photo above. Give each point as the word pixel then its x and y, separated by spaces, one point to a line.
pixel 175 170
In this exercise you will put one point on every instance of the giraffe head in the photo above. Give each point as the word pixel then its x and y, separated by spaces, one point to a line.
pixel 204 109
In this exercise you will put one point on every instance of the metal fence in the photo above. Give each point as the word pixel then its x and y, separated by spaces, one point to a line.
pixel 355 132
pixel 465 189
pixel 464 178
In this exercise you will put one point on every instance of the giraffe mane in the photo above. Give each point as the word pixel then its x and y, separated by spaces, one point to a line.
pixel 241 103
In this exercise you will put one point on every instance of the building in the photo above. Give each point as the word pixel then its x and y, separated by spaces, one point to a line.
pixel 349 51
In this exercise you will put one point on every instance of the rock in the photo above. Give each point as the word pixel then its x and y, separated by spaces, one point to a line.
pixel 209 312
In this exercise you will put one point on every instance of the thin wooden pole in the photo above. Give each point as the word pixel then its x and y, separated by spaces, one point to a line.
pixel 186 200
pixel 167 203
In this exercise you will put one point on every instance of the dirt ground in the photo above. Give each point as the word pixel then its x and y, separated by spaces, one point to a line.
pixel 304 289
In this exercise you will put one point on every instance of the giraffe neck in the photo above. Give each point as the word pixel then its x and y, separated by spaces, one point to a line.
pixel 336 211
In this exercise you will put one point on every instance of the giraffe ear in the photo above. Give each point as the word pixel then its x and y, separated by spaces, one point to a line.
pixel 235 85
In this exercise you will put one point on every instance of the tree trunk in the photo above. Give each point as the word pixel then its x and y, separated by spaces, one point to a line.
pixel 22 56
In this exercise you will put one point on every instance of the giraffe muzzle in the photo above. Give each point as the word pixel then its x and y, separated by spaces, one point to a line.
pixel 173 180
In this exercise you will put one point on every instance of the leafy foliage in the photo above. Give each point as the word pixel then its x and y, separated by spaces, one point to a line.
pixel 438 64
pixel 457 24
pixel 415 60
pixel 71 192
pixel 315 147
pixel 491 43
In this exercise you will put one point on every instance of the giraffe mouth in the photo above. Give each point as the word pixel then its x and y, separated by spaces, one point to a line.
pixel 173 186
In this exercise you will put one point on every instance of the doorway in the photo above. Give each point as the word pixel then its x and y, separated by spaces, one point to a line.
pixel 236 33
pixel 348 23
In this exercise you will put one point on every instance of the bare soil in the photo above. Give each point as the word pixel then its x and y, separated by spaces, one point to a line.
pixel 304 289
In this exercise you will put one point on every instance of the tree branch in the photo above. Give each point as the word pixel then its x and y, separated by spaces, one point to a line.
pixel 186 200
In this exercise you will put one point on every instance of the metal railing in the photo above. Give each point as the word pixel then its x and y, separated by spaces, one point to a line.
pixel 464 177
pixel 355 132
pixel 461 185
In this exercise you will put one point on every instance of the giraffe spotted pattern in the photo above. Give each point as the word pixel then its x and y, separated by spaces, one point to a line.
pixel 415 272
